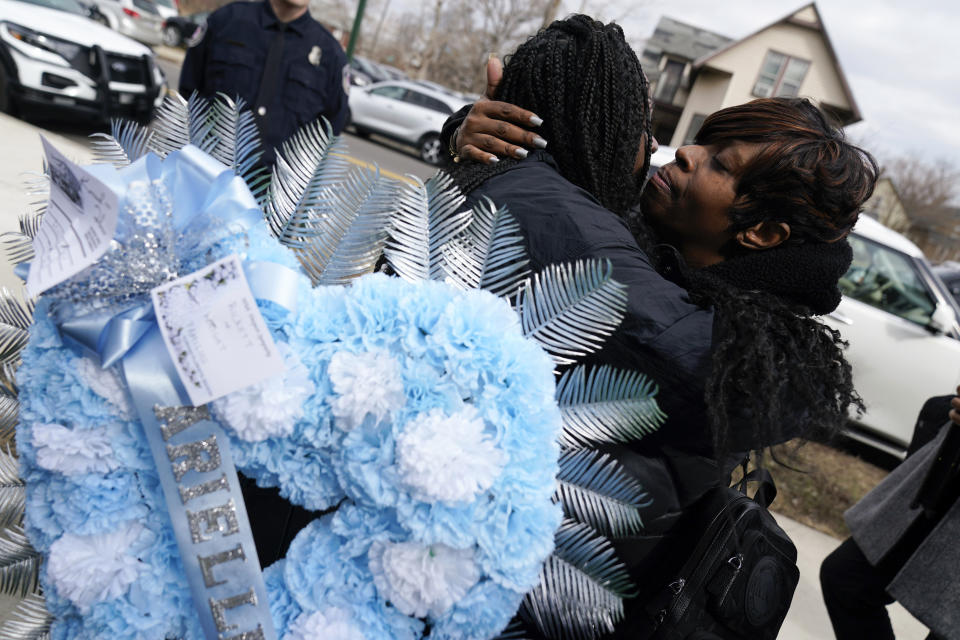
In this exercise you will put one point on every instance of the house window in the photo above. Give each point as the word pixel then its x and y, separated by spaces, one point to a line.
pixel 780 75
pixel 695 123
pixel 669 81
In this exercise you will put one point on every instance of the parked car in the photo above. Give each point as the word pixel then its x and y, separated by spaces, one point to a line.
pixel 54 59
pixel 902 326
pixel 404 111
pixel 137 19
pixel 167 9
pixel 904 333
pixel 949 274
pixel 365 72
pixel 178 30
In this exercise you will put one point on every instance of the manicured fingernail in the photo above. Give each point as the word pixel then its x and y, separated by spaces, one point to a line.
pixel 539 142
pixel 493 159
pixel 520 153
pixel 536 121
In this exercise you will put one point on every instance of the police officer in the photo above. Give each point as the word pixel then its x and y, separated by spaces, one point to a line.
pixel 284 65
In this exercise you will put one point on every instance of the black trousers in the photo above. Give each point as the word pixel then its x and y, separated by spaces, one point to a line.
pixel 855 593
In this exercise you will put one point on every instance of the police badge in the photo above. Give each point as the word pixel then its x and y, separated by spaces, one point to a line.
pixel 314 56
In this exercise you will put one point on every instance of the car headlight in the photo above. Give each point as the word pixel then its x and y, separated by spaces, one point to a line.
pixel 62 48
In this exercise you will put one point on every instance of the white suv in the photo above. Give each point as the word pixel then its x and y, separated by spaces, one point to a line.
pixel 903 330
pixel 54 58
pixel 409 112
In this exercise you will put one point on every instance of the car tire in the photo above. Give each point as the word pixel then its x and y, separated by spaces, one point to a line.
pixel 431 149
pixel 171 36
pixel 360 131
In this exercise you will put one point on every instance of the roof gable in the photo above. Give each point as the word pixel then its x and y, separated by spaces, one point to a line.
pixel 806 17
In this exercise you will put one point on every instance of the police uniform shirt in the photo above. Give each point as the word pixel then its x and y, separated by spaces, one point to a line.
pixel 309 77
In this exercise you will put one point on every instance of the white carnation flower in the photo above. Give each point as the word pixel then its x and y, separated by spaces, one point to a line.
pixel 271 407
pixel 91 569
pixel 448 458
pixel 106 383
pixel 364 383
pixel 72 451
pixel 421 580
pixel 332 623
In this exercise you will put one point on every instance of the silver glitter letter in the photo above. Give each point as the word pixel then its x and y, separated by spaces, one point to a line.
pixel 256 634
pixel 195 452
pixel 207 563
pixel 173 420
pixel 219 607
pixel 211 520
pixel 189 493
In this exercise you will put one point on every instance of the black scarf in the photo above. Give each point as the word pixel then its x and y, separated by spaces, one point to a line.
pixel 804 274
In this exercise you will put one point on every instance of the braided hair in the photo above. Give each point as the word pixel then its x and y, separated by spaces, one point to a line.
pixel 585 81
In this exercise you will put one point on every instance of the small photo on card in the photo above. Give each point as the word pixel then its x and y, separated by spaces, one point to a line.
pixel 214 332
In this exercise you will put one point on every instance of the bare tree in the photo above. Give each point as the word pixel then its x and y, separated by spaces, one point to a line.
pixel 929 191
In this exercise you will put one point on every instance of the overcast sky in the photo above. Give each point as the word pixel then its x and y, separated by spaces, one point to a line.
pixel 901 58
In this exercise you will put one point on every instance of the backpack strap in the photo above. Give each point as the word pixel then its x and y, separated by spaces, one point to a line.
pixel 766 489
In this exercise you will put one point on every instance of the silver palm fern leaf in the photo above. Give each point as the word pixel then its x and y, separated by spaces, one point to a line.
pixel 353 229
pixel 29 621
pixel 570 309
pixel 9 410
pixel 19 563
pixel 310 165
pixel 491 254
pixel 581 589
pixel 429 217
pixel 12 493
pixel 237 141
pixel 126 142
pixel 606 405
pixel 15 318
pixel 18 245
pixel 596 490
pixel 180 122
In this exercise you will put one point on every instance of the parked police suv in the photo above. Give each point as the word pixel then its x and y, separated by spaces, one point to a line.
pixel 53 58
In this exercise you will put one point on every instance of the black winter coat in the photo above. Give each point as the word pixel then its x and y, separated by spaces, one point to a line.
pixel 663 335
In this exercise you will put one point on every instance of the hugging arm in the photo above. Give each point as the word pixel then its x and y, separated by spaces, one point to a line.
pixel 488 129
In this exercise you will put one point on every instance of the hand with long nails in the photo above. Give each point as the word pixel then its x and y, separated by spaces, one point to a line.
pixel 494 129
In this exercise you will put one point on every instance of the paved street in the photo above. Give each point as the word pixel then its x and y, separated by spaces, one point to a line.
pixel 22 153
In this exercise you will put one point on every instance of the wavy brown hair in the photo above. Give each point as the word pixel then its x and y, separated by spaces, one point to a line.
pixel 807 174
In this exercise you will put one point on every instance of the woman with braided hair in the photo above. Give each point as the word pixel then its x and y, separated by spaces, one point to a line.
pixel 727 255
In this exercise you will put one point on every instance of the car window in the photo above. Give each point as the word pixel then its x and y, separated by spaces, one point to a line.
pixel 389 91
pixel 888 280
pixel 147 6
pixel 423 100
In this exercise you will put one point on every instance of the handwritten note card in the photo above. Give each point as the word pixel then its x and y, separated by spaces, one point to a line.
pixel 77 228
pixel 214 331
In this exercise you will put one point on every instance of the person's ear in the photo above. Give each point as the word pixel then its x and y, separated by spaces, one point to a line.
pixel 764 235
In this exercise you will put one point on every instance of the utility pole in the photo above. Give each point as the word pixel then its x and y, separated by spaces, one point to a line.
pixel 355 32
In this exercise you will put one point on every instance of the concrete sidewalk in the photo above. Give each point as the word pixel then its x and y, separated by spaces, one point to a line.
pixel 807 619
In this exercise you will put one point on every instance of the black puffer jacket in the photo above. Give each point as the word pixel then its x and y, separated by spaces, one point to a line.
pixel 663 335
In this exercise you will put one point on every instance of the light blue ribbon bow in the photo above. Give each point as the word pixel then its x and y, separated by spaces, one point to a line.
pixel 209 202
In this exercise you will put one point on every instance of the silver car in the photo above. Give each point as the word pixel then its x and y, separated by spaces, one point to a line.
pixel 404 111
pixel 137 19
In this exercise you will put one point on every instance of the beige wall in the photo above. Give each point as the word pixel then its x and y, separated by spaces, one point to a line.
pixel 706 96
pixel 742 62
pixel 885 206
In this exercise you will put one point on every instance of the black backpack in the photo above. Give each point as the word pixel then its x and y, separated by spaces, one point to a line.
pixel 739 579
